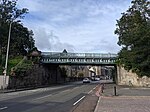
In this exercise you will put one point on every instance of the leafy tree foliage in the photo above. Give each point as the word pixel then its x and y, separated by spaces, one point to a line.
pixel 133 30
pixel 21 38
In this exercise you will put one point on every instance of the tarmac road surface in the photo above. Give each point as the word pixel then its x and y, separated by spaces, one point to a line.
pixel 51 99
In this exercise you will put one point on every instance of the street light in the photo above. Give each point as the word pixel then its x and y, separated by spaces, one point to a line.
pixel 6 62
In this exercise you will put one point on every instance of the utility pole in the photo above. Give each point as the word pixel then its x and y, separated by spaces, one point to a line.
pixel 6 62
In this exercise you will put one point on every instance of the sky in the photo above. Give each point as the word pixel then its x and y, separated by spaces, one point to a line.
pixel 79 26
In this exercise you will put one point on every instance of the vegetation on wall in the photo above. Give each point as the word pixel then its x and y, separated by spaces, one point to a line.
pixel 20 70
pixel 133 30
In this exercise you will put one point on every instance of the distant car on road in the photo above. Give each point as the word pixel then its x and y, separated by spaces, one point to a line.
pixel 86 80
pixel 97 79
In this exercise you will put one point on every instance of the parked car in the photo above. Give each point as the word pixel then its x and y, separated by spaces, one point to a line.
pixel 86 80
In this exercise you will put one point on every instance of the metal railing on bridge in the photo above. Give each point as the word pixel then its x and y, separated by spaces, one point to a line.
pixel 78 58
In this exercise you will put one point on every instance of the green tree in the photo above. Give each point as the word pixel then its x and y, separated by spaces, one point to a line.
pixel 21 38
pixel 133 29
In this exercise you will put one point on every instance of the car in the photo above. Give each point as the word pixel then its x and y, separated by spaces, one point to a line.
pixel 86 80
pixel 97 79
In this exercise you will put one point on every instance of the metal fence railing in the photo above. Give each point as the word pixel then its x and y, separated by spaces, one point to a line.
pixel 82 55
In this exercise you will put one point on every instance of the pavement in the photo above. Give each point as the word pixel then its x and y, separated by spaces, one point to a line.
pixel 116 98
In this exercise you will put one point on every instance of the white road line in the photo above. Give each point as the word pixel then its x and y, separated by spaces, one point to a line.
pixel 96 108
pixel 3 108
pixel 79 100
pixel 90 91
pixel 42 97
pixel 94 88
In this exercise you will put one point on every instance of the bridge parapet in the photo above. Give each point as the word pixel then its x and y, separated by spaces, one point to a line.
pixel 77 58
pixel 93 55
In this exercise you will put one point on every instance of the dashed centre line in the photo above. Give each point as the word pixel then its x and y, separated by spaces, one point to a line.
pixel 79 100
pixel 92 89
pixel 3 108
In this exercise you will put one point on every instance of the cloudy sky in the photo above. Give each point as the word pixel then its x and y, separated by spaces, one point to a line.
pixel 75 25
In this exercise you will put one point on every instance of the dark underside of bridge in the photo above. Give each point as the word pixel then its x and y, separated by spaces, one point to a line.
pixel 53 69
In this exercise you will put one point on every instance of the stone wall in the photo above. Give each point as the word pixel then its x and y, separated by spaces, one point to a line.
pixel 39 75
pixel 128 78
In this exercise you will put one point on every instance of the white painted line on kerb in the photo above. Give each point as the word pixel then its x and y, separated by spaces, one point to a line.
pixel 79 100
pixel 3 108
pixel 43 97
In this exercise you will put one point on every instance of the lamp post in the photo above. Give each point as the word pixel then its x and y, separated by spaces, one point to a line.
pixel 6 62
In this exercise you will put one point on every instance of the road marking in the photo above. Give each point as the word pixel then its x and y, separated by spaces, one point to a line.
pixel 42 97
pixel 90 91
pixel 3 108
pixel 96 109
pixel 95 87
pixel 79 100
